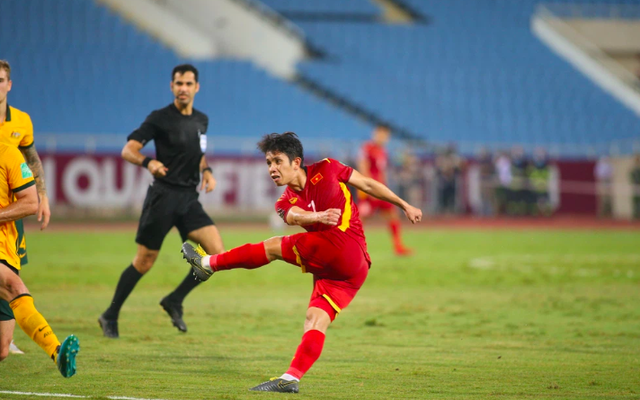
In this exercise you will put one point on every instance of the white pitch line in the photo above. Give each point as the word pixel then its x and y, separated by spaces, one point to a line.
pixel 72 396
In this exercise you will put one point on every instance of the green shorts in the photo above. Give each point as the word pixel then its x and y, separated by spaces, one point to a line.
pixel 22 243
pixel 6 313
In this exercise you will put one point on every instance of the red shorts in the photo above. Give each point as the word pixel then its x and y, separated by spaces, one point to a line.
pixel 338 264
pixel 369 205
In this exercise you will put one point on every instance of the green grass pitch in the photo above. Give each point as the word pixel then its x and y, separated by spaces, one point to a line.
pixel 475 314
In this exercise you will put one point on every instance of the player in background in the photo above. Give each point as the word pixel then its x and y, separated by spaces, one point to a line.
pixel 333 249
pixel 372 163
pixel 179 132
pixel 19 199
pixel 16 130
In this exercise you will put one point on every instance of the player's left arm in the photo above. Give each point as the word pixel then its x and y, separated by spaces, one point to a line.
pixel 35 164
pixel 380 191
pixel 208 180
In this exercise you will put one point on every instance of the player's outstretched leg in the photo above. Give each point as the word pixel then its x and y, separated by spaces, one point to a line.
pixel 194 256
pixel 248 256
pixel 277 385
pixel 66 357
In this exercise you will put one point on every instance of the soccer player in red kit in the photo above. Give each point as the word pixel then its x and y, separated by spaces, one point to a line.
pixel 333 249
pixel 372 163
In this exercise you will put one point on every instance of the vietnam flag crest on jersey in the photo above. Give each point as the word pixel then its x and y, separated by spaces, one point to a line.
pixel 316 178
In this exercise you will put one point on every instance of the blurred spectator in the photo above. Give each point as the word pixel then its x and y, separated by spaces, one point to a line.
pixel 503 189
pixel 539 174
pixel 373 162
pixel 409 177
pixel 520 192
pixel 487 183
pixel 448 168
pixel 635 181
pixel 603 172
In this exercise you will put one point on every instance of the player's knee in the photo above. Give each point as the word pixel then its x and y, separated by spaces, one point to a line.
pixel 4 352
pixel 317 319
pixel 143 262
pixel 310 318
pixel 15 287
pixel 273 248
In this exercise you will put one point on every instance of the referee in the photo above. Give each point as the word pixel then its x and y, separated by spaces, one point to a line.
pixel 172 199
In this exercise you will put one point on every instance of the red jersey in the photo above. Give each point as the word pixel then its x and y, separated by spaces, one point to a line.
pixel 326 188
pixel 377 158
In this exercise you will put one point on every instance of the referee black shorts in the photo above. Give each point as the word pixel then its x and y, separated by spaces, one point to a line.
pixel 166 207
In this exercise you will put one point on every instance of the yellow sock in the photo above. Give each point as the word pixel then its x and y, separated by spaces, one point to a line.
pixel 34 324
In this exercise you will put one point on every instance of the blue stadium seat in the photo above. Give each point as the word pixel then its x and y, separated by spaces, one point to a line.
pixel 475 73
pixel 79 68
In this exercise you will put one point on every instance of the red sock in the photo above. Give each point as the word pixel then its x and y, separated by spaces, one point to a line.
pixel 394 227
pixel 308 352
pixel 248 256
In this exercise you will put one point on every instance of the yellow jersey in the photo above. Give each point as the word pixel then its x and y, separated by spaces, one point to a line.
pixel 15 176
pixel 17 129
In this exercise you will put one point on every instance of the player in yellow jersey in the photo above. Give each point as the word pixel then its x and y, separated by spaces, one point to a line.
pixel 19 199
pixel 16 130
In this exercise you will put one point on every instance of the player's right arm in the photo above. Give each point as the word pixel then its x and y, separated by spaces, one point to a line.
pixel 26 204
pixel 19 184
pixel 294 215
pixel 298 216
pixel 380 191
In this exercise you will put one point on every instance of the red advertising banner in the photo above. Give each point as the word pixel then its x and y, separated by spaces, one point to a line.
pixel 108 182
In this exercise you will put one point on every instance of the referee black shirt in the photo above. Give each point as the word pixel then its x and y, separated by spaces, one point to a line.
pixel 177 138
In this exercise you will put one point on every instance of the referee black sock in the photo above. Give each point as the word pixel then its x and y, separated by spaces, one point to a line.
pixel 127 282
pixel 187 285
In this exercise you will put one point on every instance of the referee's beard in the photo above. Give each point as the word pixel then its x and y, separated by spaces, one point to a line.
pixel 184 99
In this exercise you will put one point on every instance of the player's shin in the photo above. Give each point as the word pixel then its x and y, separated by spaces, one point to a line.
pixel 308 352
pixel 394 228
pixel 248 256
pixel 34 324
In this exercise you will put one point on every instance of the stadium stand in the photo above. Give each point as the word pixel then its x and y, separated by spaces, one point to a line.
pixel 78 68
pixel 475 73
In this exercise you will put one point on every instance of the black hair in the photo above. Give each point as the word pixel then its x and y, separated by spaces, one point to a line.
pixel 287 143
pixel 182 69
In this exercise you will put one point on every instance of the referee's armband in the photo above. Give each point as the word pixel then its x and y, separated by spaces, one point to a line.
pixel 146 161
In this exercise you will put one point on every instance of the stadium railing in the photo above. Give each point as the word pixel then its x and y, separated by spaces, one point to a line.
pixel 560 12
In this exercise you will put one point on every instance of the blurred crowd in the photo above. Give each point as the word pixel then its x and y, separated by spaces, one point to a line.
pixel 503 183
pixel 510 183
pixel 499 183
pixel 506 182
